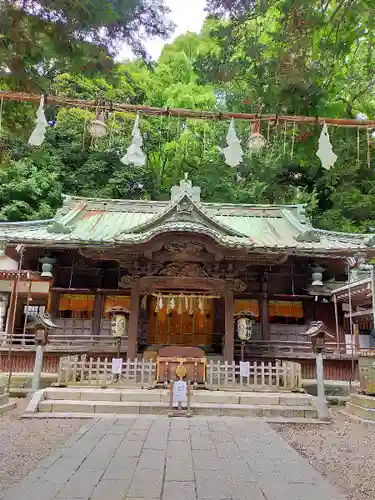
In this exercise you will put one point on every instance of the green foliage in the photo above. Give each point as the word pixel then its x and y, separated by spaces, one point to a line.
pixel 41 39
pixel 292 57
pixel 29 188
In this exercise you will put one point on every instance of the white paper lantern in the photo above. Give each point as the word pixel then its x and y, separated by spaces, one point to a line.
pixel 244 328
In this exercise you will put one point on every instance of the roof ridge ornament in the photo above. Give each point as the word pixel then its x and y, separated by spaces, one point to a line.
pixel 186 188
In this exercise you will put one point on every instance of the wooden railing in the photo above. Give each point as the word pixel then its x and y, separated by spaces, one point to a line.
pixel 288 348
pixel 65 343
pixel 107 344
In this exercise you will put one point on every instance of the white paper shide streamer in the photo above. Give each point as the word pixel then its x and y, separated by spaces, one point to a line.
pixel 134 155
pixel 37 136
pixel 233 153
pixel 325 152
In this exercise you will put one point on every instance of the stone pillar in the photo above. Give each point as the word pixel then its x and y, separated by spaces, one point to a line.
pixel 229 325
pixel 321 402
pixel 38 366
pixel 133 322
pixel 264 316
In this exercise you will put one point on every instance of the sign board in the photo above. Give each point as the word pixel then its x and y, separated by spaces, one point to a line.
pixel 244 369
pixel 179 393
pixel 117 366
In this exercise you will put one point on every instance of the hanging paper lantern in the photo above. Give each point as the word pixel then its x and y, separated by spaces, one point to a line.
pixel 98 128
pixel 134 154
pixel 256 139
pixel 233 153
pixel 38 134
pixel 325 152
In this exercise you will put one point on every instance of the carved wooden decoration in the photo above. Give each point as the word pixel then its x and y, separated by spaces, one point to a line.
pixel 127 282
pixel 184 246
pixel 183 269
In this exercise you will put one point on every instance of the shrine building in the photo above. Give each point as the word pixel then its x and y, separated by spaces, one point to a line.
pixel 183 268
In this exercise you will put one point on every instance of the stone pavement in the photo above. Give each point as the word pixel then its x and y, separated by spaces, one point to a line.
pixel 175 459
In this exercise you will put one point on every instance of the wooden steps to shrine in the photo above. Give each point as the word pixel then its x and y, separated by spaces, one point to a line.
pixel 73 402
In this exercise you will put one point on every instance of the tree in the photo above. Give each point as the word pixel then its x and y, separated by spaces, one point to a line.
pixel 30 188
pixel 292 57
pixel 43 38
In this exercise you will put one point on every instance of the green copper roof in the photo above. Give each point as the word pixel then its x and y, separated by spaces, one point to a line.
pixel 89 221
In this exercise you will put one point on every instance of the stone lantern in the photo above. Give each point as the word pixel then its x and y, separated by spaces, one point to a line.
pixel 319 335
pixel 41 327
pixel 244 328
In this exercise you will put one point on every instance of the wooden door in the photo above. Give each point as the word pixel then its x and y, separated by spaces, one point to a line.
pixel 181 325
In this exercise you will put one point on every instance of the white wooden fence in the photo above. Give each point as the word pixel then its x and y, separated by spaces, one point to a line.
pixel 279 375
pixel 75 370
pixel 80 370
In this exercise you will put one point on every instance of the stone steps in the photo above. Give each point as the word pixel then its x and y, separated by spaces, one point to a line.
pixel 5 404
pixel 7 407
pixel 163 396
pixel 118 408
pixel 74 402
pixel 361 407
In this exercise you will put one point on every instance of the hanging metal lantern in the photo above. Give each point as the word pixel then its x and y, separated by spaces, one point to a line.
pixel 119 317
pixel 317 275
pixel 47 266
pixel 256 139
pixel 98 128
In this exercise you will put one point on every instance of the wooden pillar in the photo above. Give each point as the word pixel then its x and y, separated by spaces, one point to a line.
pixel 264 316
pixel 133 322
pixel 356 336
pixel 229 325
pixel 53 304
pixel 98 311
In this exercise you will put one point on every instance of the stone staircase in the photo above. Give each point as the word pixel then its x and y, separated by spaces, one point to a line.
pixel 360 407
pixel 5 404
pixel 82 402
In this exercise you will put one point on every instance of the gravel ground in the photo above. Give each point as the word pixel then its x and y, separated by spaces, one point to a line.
pixel 24 442
pixel 344 452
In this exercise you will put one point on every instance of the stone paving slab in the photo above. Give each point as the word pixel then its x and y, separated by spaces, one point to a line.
pixel 158 458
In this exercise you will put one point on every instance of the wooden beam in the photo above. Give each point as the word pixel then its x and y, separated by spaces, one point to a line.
pixel 185 113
